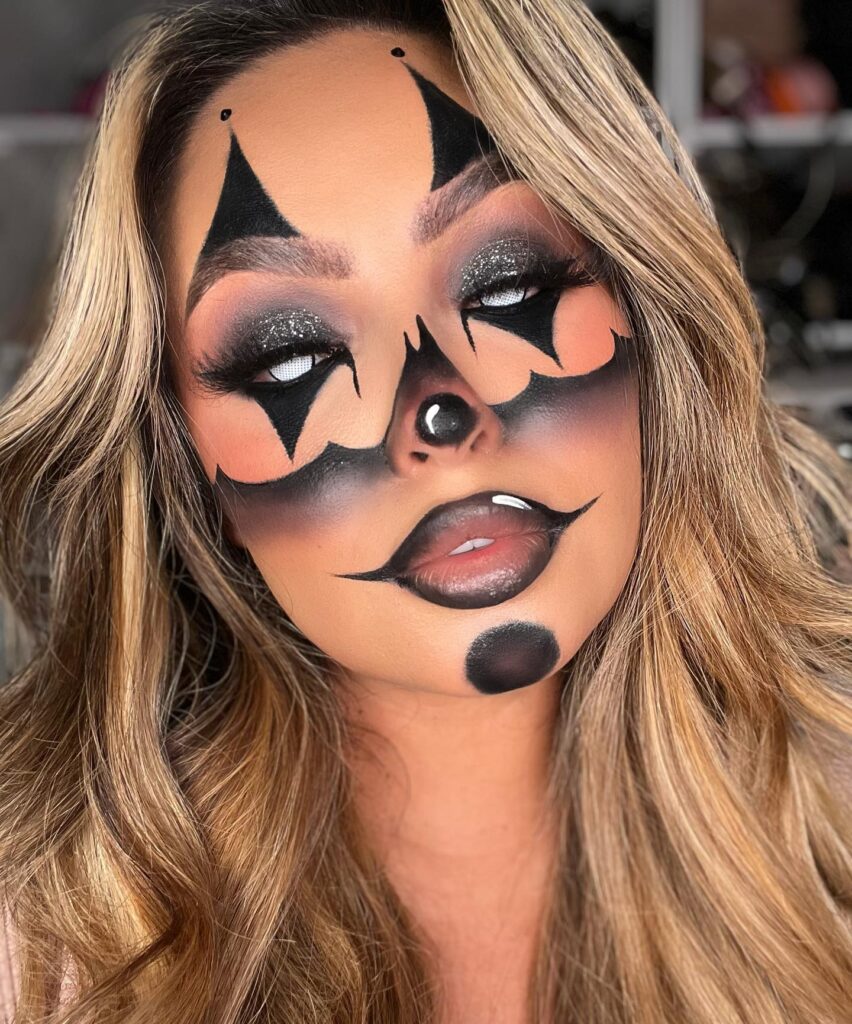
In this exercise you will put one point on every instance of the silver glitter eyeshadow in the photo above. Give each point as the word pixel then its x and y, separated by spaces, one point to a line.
pixel 303 324
pixel 495 262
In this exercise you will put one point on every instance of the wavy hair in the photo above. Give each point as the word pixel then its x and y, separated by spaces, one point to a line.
pixel 176 823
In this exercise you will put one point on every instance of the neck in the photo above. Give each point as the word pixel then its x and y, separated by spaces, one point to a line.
pixel 452 784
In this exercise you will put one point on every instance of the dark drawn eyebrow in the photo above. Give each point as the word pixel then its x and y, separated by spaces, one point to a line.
pixel 445 205
pixel 302 256
pixel 299 256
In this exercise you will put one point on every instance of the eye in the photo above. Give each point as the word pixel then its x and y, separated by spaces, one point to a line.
pixel 276 350
pixel 505 295
pixel 294 367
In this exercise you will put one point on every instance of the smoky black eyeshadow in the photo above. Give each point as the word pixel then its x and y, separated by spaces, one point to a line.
pixel 503 257
pixel 251 338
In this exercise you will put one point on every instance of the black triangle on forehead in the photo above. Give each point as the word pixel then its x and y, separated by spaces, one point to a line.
pixel 458 136
pixel 244 206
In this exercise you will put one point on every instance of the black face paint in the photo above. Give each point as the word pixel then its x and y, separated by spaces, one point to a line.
pixel 225 113
pixel 397 51
pixel 514 264
pixel 533 321
pixel 510 656
pixel 338 474
pixel 338 468
pixel 427 362
pixel 286 343
pixel 287 406
pixel 341 474
pixel 244 208
pixel 458 136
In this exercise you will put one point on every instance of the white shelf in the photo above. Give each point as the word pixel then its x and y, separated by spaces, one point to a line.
pixel 770 130
pixel 678 86
pixel 824 390
pixel 18 130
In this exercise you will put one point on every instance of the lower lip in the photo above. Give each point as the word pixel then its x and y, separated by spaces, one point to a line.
pixel 484 576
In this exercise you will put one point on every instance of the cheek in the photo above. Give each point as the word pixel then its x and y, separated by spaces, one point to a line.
pixel 385 632
pixel 589 405
pixel 261 489
pixel 583 328
pixel 234 433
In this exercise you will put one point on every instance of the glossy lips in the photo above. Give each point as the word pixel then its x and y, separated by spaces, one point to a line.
pixel 523 534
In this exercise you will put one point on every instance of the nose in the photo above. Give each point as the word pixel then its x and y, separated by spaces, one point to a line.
pixel 437 417
pixel 444 419
pixel 444 428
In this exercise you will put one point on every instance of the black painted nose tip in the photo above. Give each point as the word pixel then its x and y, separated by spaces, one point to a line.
pixel 445 418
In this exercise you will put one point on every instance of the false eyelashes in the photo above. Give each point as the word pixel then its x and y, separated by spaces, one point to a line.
pixel 553 276
pixel 493 263
pixel 261 343
pixel 264 342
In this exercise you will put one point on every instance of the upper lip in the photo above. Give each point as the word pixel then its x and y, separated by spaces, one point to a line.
pixel 473 516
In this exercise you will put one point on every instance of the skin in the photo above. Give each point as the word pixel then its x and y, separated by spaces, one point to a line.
pixel 336 134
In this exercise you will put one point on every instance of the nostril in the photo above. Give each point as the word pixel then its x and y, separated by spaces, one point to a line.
pixel 444 418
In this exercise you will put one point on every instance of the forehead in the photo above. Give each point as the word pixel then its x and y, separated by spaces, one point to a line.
pixel 337 132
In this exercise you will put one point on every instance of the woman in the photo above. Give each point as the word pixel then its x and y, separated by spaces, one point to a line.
pixel 439 624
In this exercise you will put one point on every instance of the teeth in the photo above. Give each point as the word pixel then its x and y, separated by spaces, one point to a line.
pixel 509 499
pixel 470 545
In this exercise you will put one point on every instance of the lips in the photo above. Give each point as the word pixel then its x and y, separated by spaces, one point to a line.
pixel 476 552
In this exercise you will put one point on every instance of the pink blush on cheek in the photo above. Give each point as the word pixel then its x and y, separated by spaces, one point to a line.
pixel 583 328
pixel 235 433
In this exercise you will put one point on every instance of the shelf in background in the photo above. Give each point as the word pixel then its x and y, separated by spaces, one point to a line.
pixel 18 130
pixel 771 130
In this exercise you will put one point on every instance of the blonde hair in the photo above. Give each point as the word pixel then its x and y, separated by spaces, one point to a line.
pixel 175 817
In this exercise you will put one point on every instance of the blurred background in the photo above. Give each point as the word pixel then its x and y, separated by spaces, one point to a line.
pixel 760 91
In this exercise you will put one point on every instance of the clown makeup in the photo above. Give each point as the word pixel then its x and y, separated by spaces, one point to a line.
pixel 412 393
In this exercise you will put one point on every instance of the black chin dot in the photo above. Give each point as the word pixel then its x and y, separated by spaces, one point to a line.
pixel 510 656
pixel 397 51
pixel 225 114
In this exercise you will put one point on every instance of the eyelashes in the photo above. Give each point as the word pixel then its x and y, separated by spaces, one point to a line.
pixel 295 346
pixel 549 277
pixel 297 336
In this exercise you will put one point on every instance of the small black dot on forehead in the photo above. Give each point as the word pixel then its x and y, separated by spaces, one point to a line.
pixel 225 113
pixel 397 51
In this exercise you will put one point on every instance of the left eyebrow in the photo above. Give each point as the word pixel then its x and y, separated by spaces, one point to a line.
pixel 445 205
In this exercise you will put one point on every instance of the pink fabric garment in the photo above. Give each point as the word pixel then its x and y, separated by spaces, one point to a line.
pixel 10 976
pixel 8 971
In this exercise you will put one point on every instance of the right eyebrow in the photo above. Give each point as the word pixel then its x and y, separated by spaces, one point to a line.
pixel 300 256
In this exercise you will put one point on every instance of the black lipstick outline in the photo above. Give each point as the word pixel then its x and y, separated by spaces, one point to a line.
pixel 396 568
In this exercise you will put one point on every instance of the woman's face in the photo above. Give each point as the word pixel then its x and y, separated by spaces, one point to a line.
pixel 419 415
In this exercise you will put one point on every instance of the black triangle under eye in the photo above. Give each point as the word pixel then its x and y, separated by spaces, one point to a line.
pixel 458 136
pixel 532 320
pixel 244 206
pixel 288 407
